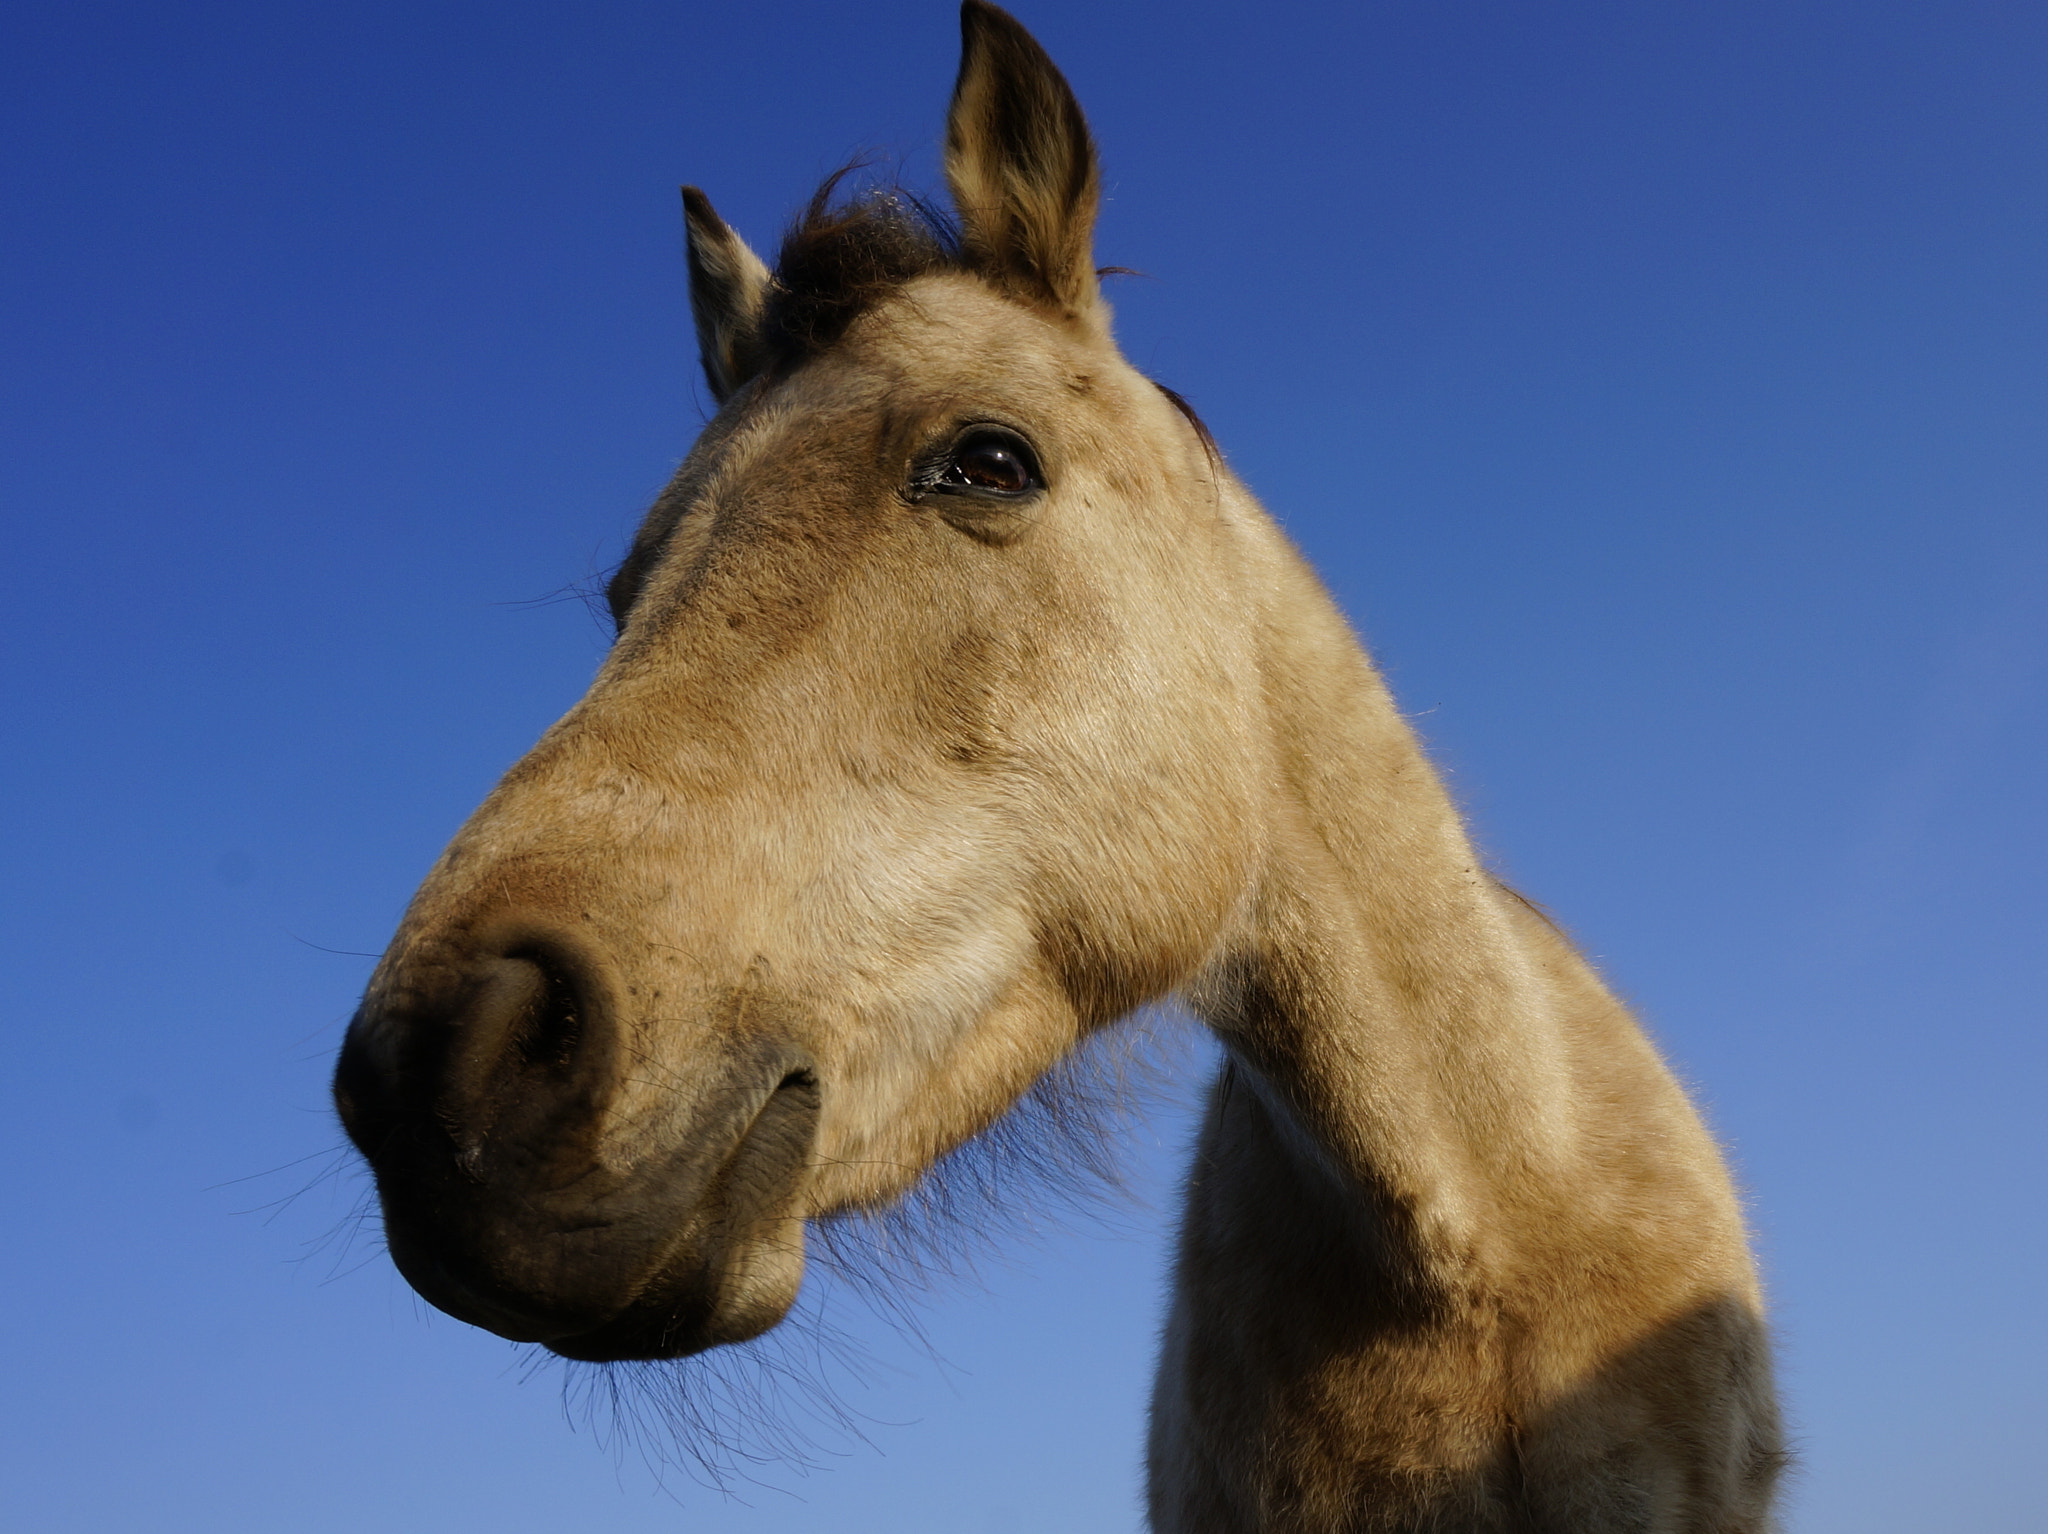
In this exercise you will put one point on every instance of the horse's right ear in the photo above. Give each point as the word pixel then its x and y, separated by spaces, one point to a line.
pixel 1022 166
pixel 728 287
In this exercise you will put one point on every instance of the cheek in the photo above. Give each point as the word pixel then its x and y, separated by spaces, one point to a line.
pixel 1137 907
pixel 905 930
pixel 879 1134
pixel 1152 827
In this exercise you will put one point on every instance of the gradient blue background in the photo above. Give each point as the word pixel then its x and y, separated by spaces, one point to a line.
pixel 1663 388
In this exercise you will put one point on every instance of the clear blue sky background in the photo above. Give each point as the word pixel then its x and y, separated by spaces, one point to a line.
pixel 1664 389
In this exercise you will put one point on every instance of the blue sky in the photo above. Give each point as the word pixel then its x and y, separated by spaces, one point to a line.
pixel 1663 389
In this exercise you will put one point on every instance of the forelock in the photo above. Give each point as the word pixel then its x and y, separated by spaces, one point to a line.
pixel 841 259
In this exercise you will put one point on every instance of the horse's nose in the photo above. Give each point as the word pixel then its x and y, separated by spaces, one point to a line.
pixel 502 1051
pixel 484 1081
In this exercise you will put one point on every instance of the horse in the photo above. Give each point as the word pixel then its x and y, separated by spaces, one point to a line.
pixel 962 703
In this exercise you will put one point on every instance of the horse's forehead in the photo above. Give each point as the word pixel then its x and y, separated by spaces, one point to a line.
pixel 952 330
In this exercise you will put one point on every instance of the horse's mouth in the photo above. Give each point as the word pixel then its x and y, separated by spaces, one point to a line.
pixel 699 1250
pixel 653 1327
pixel 672 1317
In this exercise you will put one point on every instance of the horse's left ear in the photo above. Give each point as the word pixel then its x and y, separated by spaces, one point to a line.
pixel 1022 167
pixel 728 287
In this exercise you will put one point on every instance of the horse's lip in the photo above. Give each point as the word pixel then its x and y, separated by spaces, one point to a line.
pixel 470 1292
pixel 679 1311
pixel 653 1323
pixel 665 1301
pixel 641 1331
pixel 480 1303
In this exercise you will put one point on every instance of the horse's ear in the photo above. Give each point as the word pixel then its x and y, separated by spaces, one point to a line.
pixel 728 286
pixel 1021 166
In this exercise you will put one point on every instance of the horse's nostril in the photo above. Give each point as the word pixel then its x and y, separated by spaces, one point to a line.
pixel 524 1048
pixel 546 1034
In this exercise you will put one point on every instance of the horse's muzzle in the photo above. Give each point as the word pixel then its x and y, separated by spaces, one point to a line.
pixel 483 1088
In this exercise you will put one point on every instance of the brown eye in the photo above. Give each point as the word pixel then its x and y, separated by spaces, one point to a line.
pixel 989 466
pixel 990 462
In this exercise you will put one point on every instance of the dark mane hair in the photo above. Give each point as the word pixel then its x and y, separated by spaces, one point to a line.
pixel 839 260
pixel 1175 398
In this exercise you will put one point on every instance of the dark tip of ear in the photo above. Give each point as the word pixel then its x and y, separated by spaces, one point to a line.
pixel 976 14
pixel 987 26
pixel 697 208
pixel 990 31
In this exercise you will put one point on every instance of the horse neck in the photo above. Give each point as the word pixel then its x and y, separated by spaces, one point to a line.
pixel 1454 1242
pixel 1401 1025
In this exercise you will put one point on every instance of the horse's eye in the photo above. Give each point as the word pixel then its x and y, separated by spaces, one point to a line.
pixel 992 462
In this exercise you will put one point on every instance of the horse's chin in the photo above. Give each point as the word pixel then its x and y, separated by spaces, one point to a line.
pixel 736 1296
pixel 655 1328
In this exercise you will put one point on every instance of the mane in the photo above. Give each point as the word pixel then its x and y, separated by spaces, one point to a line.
pixel 840 259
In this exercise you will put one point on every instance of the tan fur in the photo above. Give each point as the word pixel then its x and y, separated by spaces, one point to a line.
pixel 923 796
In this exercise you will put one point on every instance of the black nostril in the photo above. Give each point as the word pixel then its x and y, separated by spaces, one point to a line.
pixel 520 1050
pixel 505 1051
pixel 549 1029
